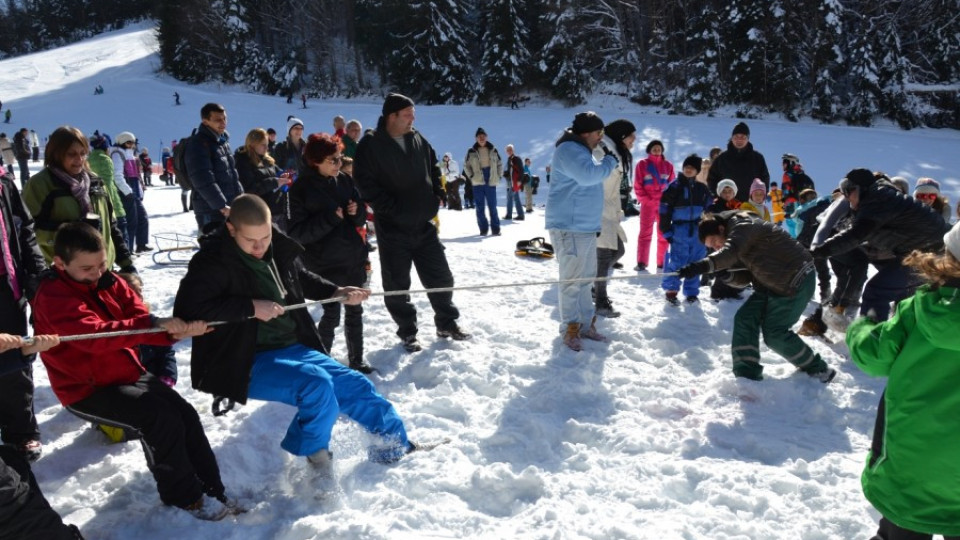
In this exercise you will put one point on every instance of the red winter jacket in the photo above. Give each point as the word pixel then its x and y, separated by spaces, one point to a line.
pixel 648 186
pixel 66 307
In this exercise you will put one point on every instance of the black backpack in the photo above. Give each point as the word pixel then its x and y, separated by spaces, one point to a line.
pixel 180 162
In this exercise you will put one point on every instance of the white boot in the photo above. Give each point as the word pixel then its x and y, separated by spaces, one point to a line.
pixel 325 478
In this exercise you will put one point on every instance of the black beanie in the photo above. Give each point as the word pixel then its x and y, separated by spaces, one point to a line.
pixel 655 142
pixel 586 122
pixel 861 177
pixel 479 132
pixel 396 102
pixel 741 129
pixel 618 130
pixel 694 161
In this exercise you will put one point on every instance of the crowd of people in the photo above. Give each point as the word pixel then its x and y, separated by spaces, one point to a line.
pixel 282 222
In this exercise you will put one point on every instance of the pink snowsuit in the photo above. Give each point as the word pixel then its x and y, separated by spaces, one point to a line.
pixel 650 181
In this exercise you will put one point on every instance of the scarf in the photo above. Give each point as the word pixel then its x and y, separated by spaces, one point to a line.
pixel 79 187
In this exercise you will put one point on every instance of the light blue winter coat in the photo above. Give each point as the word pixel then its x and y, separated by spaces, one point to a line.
pixel 575 200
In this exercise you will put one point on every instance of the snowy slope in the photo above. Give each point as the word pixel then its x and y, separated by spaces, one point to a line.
pixel 648 436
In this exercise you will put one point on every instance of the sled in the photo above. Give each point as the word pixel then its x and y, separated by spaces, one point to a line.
pixel 174 248
pixel 535 247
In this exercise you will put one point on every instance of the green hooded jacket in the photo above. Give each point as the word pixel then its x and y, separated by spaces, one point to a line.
pixel 913 472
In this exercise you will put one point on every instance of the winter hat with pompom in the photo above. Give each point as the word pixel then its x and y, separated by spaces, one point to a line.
pixel 727 183
pixel 927 185
pixel 292 122
pixel 758 185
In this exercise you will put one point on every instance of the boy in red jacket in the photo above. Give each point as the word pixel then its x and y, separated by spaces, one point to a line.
pixel 102 380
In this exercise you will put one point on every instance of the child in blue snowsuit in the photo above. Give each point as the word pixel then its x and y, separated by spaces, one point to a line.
pixel 681 206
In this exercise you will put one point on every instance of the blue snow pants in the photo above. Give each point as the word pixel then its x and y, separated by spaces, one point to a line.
pixel 321 388
pixel 684 250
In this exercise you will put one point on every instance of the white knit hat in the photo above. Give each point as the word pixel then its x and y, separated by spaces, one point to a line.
pixel 292 122
pixel 725 183
pixel 952 241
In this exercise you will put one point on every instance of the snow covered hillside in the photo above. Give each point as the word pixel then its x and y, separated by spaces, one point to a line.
pixel 646 437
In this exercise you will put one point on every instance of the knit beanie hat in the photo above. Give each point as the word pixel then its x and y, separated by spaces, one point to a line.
pixel 395 102
pixel 927 185
pixel 758 185
pixel 727 183
pixel 586 122
pixel 951 241
pixel 741 129
pixel 855 179
pixel 292 122
pixel 480 131
pixel 694 161
pixel 618 130
pixel 653 143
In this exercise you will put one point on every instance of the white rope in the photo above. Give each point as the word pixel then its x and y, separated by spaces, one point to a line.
pixel 156 330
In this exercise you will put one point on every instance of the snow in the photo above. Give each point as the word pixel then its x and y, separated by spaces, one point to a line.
pixel 647 436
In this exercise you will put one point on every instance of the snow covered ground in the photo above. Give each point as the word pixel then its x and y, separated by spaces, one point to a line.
pixel 648 436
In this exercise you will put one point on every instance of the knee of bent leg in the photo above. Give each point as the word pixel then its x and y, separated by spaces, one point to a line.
pixel 316 387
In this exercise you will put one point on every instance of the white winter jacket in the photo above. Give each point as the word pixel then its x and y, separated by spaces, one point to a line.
pixel 610 228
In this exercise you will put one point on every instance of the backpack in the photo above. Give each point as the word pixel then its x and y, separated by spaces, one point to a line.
pixel 180 163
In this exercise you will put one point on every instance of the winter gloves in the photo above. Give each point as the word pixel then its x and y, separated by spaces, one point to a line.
pixel 694 269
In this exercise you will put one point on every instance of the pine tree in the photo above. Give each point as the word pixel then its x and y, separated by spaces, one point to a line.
pixel 746 41
pixel 506 60
pixel 827 61
pixel 864 88
pixel 704 90
pixel 893 74
pixel 561 61
pixel 431 61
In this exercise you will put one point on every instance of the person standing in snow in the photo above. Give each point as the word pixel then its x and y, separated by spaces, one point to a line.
pixel 326 216
pixel 481 167
pixel 260 175
pixel 245 273
pixel 289 153
pixel 351 137
pixel 513 174
pixel 911 471
pixel 740 163
pixel 127 168
pixel 450 171
pixel 103 381
pixel 681 207
pixel 757 200
pixel 574 217
pixel 750 249
pixel 19 272
pixel 795 181
pixel 211 168
pixel 651 178
pixel 101 165
pixel 397 174
pixel 21 149
pixel 619 137
pixel 7 157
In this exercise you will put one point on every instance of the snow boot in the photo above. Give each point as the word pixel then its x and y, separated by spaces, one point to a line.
pixel 454 333
pixel 591 333
pixel 412 344
pixel 324 479
pixel 605 309
pixel 572 337
pixel 813 325
pixel 672 298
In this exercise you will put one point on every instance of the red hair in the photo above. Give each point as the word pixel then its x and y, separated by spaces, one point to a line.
pixel 320 146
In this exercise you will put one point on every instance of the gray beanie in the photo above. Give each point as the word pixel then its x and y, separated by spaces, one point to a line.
pixel 952 241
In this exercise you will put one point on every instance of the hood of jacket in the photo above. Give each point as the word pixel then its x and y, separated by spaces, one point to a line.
pixel 938 316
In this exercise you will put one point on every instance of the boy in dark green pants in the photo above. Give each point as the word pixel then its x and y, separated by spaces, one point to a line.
pixel 749 249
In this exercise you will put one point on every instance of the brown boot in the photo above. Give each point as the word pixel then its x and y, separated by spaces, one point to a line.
pixel 572 337
pixel 591 333
pixel 812 326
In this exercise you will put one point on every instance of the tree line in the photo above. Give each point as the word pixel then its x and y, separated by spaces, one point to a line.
pixel 849 61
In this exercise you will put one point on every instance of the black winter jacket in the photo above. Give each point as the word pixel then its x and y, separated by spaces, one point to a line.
pixel 334 248
pixel 402 186
pixel 889 221
pixel 741 166
pixel 211 170
pixel 261 180
pixel 218 286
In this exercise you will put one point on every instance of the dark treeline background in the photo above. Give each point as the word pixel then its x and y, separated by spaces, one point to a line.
pixel 847 61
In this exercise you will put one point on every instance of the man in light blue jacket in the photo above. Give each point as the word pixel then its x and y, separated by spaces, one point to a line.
pixel 574 210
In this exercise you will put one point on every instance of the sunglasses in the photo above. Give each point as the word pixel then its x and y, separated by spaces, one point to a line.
pixel 926 196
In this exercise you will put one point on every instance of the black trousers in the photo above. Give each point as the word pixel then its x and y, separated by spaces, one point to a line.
pixel 352 329
pixel 18 424
pixel 24 512
pixel 851 271
pixel 422 249
pixel 889 531
pixel 177 451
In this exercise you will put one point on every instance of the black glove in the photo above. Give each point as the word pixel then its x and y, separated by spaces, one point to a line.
pixel 129 269
pixel 694 269
pixel 819 253
pixel 607 152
